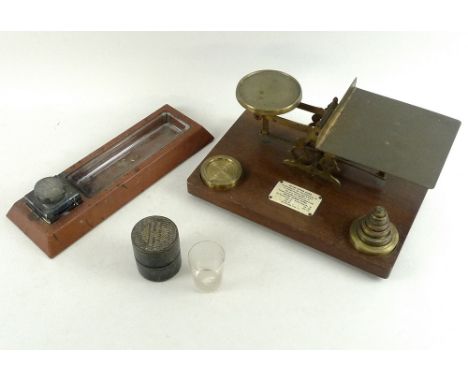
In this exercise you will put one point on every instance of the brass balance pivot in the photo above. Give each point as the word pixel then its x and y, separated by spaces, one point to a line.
pixel 374 234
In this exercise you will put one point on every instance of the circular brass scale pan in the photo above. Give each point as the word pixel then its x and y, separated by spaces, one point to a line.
pixel 221 172
pixel 269 92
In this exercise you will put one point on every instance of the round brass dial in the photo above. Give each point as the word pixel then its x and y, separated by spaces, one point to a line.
pixel 221 172
pixel 269 92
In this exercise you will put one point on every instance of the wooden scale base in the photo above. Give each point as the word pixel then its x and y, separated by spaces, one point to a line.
pixel 327 230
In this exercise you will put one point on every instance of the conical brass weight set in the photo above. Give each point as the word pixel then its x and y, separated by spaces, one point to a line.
pixel 374 234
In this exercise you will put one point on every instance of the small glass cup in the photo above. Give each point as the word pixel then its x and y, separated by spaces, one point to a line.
pixel 206 260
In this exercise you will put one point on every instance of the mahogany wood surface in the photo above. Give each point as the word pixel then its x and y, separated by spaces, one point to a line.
pixel 54 238
pixel 327 230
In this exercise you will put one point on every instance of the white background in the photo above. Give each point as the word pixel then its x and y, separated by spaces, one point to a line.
pixel 63 95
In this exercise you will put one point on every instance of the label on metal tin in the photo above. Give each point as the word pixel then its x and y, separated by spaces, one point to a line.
pixel 297 198
pixel 154 234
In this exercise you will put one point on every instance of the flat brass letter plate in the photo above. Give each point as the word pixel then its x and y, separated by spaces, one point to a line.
pixel 297 198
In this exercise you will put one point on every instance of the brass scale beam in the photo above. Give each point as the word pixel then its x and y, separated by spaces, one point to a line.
pixel 317 163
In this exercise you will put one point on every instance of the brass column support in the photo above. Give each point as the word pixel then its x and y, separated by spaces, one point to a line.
pixel 265 126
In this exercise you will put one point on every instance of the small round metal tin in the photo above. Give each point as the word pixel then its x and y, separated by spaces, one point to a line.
pixel 221 172
pixel 160 273
pixel 269 92
pixel 156 247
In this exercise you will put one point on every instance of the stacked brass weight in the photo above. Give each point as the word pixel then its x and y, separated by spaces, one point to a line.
pixel 374 234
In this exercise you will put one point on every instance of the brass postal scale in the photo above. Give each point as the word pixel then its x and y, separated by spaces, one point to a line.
pixel 348 184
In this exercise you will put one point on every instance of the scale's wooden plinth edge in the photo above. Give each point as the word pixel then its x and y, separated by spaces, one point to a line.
pixel 327 230
pixel 54 238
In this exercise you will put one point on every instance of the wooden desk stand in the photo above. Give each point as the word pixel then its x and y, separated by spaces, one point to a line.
pixel 54 238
